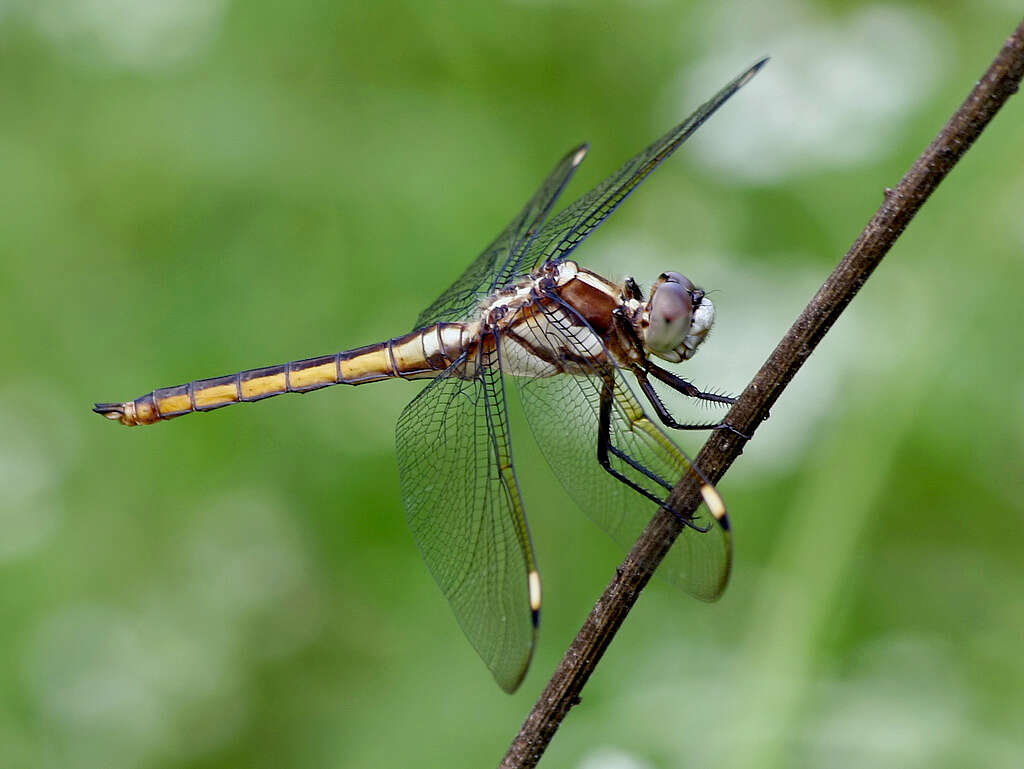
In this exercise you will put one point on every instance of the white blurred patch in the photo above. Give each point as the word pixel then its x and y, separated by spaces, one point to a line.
pixel 906 694
pixel 27 511
pixel 136 34
pixel 612 758
pixel 160 675
pixel 836 91
pixel 901 701
pixel 682 703
pixel 37 445
pixel 118 686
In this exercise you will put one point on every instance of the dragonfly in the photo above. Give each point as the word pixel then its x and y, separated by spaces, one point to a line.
pixel 570 342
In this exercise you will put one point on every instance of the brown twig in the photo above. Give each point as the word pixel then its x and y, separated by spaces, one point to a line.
pixel 999 82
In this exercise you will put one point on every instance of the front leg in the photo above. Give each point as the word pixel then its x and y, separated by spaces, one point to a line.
pixel 659 407
pixel 679 384
pixel 643 366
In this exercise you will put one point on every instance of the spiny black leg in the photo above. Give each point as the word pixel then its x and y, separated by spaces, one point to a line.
pixel 604 446
pixel 659 407
pixel 686 388
pixel 681 385
pixel 604 440
pixel 675 382
pixel 639 467
pixel 644 367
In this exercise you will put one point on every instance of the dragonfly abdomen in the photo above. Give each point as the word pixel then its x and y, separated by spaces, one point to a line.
pixel 419 354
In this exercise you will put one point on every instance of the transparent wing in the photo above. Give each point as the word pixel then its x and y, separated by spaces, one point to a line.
pixel 563 412
pixel 466 513
pixel 481 277
pixel 570 227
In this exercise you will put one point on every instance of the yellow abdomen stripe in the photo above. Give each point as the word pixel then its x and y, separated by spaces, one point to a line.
pixel 421 353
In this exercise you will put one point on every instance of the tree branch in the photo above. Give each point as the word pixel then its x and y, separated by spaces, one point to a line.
pixel 999 82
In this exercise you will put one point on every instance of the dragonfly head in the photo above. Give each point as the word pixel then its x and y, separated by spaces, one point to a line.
pixel 676 318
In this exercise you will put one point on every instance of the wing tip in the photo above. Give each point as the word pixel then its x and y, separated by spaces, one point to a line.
pixel 715 503
pixel 533 579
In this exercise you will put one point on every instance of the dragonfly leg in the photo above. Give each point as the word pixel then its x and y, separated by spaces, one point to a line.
pixel 730 428
pixel 633 290
pixel 666 417
pixel 605 448
pixel 686 388
pixel 659 407
pixel 643 367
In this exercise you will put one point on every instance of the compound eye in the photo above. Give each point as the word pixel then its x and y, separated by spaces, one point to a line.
pixel 670 314
pixel 677 277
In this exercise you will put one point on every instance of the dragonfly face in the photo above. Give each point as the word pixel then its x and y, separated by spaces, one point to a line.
pixel 570 342
pixel 677 318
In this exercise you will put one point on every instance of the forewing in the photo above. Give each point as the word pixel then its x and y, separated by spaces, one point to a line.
pixel 570 227
pixel 482 276
pixel 563 413
pixel 466 514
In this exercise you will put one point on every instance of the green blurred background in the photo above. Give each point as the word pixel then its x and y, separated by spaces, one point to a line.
pixel 193 188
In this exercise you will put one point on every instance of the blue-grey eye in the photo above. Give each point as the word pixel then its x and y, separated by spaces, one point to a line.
pixel 677 277
pixel 671 311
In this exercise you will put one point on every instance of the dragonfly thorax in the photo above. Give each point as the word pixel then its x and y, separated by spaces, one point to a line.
pixel 501 307
pixel 676 318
